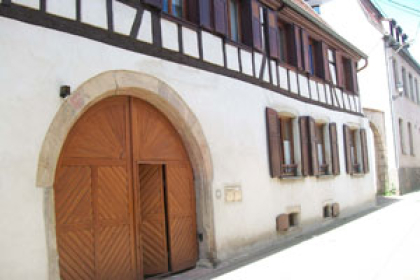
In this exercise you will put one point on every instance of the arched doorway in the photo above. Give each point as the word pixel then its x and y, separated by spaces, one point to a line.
pixel 124 195
pixel 381 162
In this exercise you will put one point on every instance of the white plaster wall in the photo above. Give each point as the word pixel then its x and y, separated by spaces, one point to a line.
pixel 373 81
pixel 63 8
pixel 231 113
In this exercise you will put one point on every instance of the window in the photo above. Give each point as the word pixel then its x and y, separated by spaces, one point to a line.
pixel 320 146
pixel 410 139
pixel 395 70
pixel 416 84
pixel 311 56
pixel 402 140
pixel 356 150
pixel 353 151
pixel 332 65
pixel 404 77
pixel 174 7
pixel 262 26
pixel 348 75
pixel 286 141
pixel 234 20
pixel 410 79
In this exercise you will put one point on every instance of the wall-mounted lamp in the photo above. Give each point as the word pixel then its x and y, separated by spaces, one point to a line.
pixel 400 90
pixel 64 91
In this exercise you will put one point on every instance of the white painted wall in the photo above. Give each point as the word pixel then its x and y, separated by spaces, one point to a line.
pixel 231 113
pixel 349 20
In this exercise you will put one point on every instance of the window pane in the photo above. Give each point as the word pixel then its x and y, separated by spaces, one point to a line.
pixel 166 6
pixel 331 57
pixel 177 8
pixel 353 160
pixel 333 73
pixel 311 59
pixel 287 152
pixel 234 22
pixel 320 154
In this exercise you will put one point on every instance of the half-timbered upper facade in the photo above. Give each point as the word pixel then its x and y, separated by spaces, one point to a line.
pixel 162 134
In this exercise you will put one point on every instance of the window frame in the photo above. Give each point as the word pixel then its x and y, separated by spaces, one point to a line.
pixel 404 80
pixel 332 63
pixel 323 167
pixel 410 138
pixel 288 169
pixel 238 21
pixel 357 167
pixel 402 137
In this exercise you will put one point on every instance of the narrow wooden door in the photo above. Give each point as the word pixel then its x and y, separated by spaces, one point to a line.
pixel 153 221
pixel 181 216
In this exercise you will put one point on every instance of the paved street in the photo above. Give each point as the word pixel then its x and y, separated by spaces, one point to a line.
pixel 384 244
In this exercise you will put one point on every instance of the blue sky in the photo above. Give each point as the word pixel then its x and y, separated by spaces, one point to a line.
pixel 407 15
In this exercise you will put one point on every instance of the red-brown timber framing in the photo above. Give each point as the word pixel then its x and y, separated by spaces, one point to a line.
pixel 286 14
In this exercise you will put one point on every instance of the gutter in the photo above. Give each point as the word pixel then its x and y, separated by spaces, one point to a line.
pixel 329 30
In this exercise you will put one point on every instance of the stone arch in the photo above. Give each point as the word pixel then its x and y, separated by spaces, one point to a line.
pixel 381 161
pixel 165 99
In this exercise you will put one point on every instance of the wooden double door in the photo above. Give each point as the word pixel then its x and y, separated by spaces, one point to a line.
pixel 124 196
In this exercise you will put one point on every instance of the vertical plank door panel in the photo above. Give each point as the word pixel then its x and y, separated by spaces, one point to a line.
pixel 181 216
pixel 153 226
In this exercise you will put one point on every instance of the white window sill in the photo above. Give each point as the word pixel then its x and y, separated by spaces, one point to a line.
pixel 326 176
pixel 292 178
pixel 357 175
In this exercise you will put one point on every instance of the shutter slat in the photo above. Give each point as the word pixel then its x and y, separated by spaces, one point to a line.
pixel 347 149
pixel 192 11
pixel 340 69
pixel 294 50
pixel 205 8
pixel 304 142
pixel 220 16
pixel 274 147
pixel 334 149
pixel 322 56
pixel 313 147
pixel 273 35
pixel 363 141
pixel 305 51
pixel 256 26
pixel 354 76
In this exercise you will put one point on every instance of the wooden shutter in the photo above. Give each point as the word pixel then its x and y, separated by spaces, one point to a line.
pixel 354 76
pixel 192 11
pixel 294 51
pixel 181 216
pixel 313 147
pixel 154 3
pixel 363 142
pixel 305 51
pixel 204 9
pixel 274 143
pixel 323 64
pixel 340 69
pixel 220 16
pixel 334 149
pixel 304 142
pixel 347 149
pixel 273 35
pixel 256 26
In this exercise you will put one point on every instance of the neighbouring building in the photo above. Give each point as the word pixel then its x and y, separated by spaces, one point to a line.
pixel 143 138
pixel 389 86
